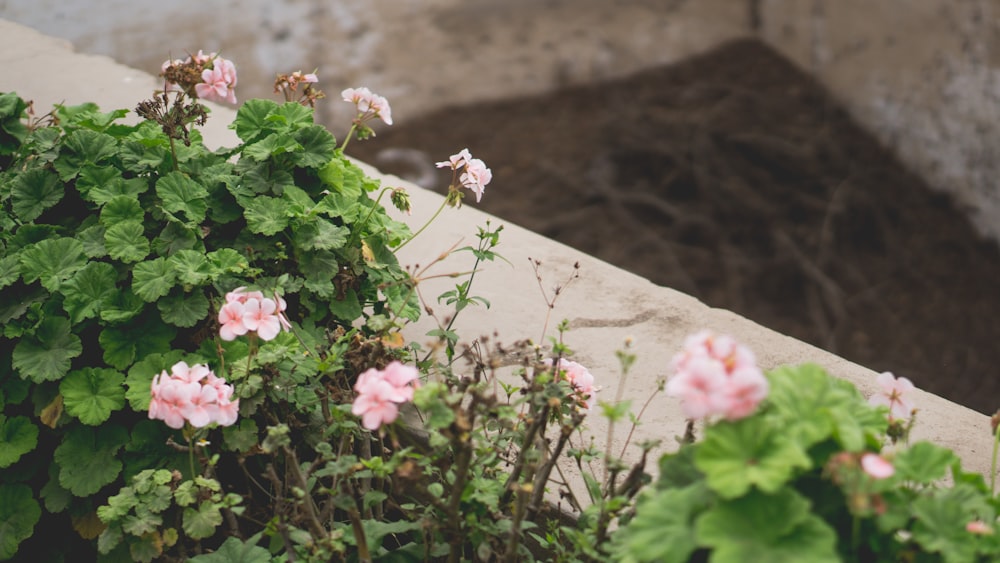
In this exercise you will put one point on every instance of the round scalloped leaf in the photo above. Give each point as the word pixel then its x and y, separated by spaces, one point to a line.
pixel 121 208
pixel 234 550
pixel 18 436
pixel 126 241
pixel 181 194
pixel 92 394
pixel 52 261
pixel 19 512
pixel 46 354
pixel 735 456
pixel 183 310
pixel 153 279
pixel 190 266
pixel 34 191
pixel 87 458
pixel 88 290
pixel 266 215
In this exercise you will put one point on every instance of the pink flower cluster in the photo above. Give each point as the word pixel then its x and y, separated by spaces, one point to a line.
pixel 876 466
pixel 247 311
pixel 193 394
pixel 476 174
pixel 218 77
pixel 380 392
pixel 716 376
pixel 368 104
pixel 579 378
pixel 894 393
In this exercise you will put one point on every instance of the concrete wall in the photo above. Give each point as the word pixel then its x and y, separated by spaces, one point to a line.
pixel 923 75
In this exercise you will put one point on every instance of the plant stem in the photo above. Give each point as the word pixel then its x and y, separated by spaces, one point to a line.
pixel 993 464
pixel 350 134
pixel 421 229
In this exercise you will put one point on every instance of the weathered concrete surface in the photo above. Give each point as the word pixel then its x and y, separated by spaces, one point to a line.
pixel 605 305
pixel 923 75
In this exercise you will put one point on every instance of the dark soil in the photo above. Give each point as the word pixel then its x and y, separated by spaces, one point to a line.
pixel 734 177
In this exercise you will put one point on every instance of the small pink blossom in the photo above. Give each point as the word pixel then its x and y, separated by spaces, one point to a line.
pixel 380 392
pixel 716 376
pixel 579 378
pixel 218 83
pixel 894 393
pixel 876 466
pixel 368 104
pixel 260 316
pixel 979 527
pixel 231 321
pixel 476 176
pixel 455 161
pixel 192 394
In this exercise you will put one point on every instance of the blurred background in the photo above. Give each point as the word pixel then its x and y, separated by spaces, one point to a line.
pixel 824 167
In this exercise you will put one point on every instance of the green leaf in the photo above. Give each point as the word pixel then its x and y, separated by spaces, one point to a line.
pixel 266 215
pixel 34 191
pixel 19 512
pixel 923 462
pixel 290 116
pixel 18 436
pixel 181 194
pixel 343 177
pixel 317 145
pixel 941 516
pixel 226 261
pixel 83 147
pixel 88 290
pixel 87 458
pixel 123 345
pixel 201 523
pixel 174 237
pixel 183 310
pixel 190 266
pixel 735 456
pixel 99 184
pixel 321 234
pixel 251 118
pixel 235 551
pixel 46 354
pixel 815 406
pixel 347 309
pixel 269 146
pixel 121 208
pixel 56 498
pixel 92 394
pixel 775 528
pixel 126 241
pixel 125 305
pixel 153 279
pixel 92 239
pixel 663 527
pixel 10 269
pixel 52 261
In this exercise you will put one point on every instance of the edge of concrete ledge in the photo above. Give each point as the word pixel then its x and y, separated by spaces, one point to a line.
pixel 604 306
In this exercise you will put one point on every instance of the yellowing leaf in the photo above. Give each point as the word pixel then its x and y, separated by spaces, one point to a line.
pixel 89 526
pixel 51 413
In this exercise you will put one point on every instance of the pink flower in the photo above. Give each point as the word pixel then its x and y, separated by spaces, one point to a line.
pixel 876 466
pixel 894 393
pixel 716 376
pixel 979 527
pixel 379 393
pixel 260 316
pixel 231 320
pixel 218 82
pixel 192 394
pixel 282 305
pixel 476 176
pixel 455 161
pixel 579 378
pixel 368 104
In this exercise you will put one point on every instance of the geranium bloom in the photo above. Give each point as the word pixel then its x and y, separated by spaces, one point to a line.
pixel 979 527
pixel 368 104
pixel 260 315
pixel 716 376
pixel 876 466
pixel 192 394
pixel 579 378
pixel 219 82
pixel 231 321
pixel 475 176
pixel 380 392
pixel 894 393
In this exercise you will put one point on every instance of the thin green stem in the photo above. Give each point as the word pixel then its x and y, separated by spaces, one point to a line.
pixel 427 224
pixel 350 134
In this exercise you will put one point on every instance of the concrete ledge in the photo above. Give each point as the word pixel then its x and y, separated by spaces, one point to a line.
pixel 605 305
